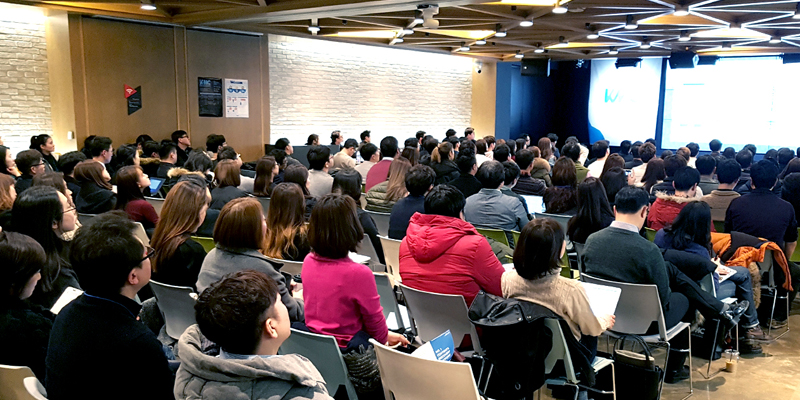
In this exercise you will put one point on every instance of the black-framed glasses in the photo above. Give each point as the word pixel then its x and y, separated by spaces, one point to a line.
pixel 69 209
pixel 150 253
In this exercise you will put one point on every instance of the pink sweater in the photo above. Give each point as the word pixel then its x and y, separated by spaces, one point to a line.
pixel 341 299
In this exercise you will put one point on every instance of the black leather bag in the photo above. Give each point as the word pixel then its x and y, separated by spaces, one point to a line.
pixel 637 375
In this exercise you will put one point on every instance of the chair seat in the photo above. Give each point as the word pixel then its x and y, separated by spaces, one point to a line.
pixel 600 363
pixel 671 333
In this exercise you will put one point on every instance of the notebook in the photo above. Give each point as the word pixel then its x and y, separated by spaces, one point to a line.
pixel 535 204
pixel 602 299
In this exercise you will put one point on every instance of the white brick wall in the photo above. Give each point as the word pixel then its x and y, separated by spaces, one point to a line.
pixel 317 86
pixel 24 88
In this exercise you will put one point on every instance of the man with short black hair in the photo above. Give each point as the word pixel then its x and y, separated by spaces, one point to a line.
pixel 419 181
pixel 182 145
pixel 66 164
pixel 102 151
pixel 284 145
pixel 469 133
pixel 512 170
pixel 554 142
pixel 785 155
pixel 625 150
pixel 371 155
pixel 634 155
pixel 30 163
pixel 150 160
pixel 620 254
pixel 600 153
pixel 668 206
pixel 380 171
pixel 489 208
pixel 745 159
pixel 429 144
pixel 647 152
pixel 467 183
pixel 694 148
pixel 528 185
pixel 706 166
pixel 336 138
pixel 244 315
pixel 456 145
pixel 572 150
pixel 168 153
pixel 671 165
pixel 491 144
pixel 344 159
pixel 365 138
pixel 481 147
pixel 112 265
pixel 213 144
pixel 728 173
pixel 501 153
pixel 715 145
pixel 320 182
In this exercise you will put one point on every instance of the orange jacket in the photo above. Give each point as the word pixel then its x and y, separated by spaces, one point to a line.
pixel 744 255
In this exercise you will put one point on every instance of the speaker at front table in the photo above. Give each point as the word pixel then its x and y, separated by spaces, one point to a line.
pixel 535 67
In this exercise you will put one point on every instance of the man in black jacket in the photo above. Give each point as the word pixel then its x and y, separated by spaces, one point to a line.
pixel 98 349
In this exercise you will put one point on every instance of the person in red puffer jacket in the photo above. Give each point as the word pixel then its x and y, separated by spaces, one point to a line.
pixel 442 253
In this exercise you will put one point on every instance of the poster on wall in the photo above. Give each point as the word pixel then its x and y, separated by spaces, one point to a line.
pixel 237 103
pixel 134 98
pixel 209 97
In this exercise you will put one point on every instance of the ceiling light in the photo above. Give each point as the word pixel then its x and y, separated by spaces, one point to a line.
pixel 645 45
pixel 500 34
pixel 774 40
pixel 519 55
pixel 148 6
pixel 407 31
pixel 613 52
pixel 463 47
pixel 382 34
pixel 418 17
pixel 480 42
pixel 681 12
pixel 560 8
pixel 539 51
pixel 684 37
pixel 797 12
pixel 398 40
pixel 726 46
pixel 592 36
pixel 313 28
pixel 630 23
pixel 526 23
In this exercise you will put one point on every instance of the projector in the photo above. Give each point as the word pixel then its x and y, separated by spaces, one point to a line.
pixel 627 62
pixel 683 59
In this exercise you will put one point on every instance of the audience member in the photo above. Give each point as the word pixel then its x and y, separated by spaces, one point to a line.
pixel 521 144
pixel 347 183
pixel 168 154
pixel 685 153
pixel 613 181
pixel 502 152
pixel 572 151
pixel 336 138
pixel 283 145
pixel 227 178
pixel 745 160
pixel 482 147
pixel 419 182
pixel 30 163
pixel 383 196
pixel 182 143
pixel 266 171
pixel 715 146
pixel 469 134
pixel 298 174
pixel 244 315
pixel 199 162
pixel 613 161
pixel 594 211
pixel 7 196
pixel 247 182
pixel 729 153
pixel 102 151
pixel 412 154
pixel 466 182
pixel 527 183
pixel 546 149
pixel 707 166
pixel 728 173
pixel 178 258
pixel 66 164
pixel 636 160
pixel 10 167
pixel 313 140
pixel 667 206
pixel 371 155
pixel 561 198
pixel 489 208
pixel 344 159
pixel 380 171
pixel 442 253
pixel 625 151
pixel 319 181
pixel 131 181
pixel 671 166
pixel 443 164
pixel 791 191
pixel 286 234
pixel 366 138
pixel 654 174
pixel 127 154
pixel 694 149
pixel 96 195
pixel 600 153
pixel 668 153
pixel 647 152
pixel 511 171
pixel 25 327
pixel 113 266
pixel 44 144
pixel 150 160
pixel 214 143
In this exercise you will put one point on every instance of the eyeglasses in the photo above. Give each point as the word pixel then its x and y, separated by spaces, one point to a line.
pixel 69 209
pixel 150 253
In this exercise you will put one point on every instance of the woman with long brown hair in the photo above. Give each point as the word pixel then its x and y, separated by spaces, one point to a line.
pixel 96 195
pixel 655 173
pixel 287 233
pixel 7 196
pixel 546 148
pixel 443 164
pixel 131 182
pixel 178 258
pixel 383 196
pixel 298 174
pixel 562 197
pixel 227 176
pixel 266 171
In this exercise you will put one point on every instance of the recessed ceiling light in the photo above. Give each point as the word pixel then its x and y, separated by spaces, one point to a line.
pixel 560 8
pixel 519 55
pixel 148 6
pixel 463 47
pixel 526 23
pixel 613 51
pixel 418 17
pixel 398 40
pixel 500 34
pixel 775 40
pixel 313 28
pixel 630 23
pixel 480 42
pixel 592 36
pixel 684 37
pixel 681 12
pixel 407 31
pixel 645 45
pixel 539 51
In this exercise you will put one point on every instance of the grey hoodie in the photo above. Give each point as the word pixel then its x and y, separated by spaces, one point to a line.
pixel 202 376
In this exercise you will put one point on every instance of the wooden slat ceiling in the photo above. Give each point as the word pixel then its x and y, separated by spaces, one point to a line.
pixel 721 27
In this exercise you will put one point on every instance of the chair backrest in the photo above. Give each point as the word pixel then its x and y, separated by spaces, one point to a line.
pixel 435 313
pixel 12 382
pixel 795 257
pixel 324 353
pixel 650 233
pixel 639 305
pixel 35 388
pixel 406 377
pixel 498 235
pixel 141 234
pixel 562 220
pixel 719 226
pixel 391 311
pixel 366 249
pixel 207 243
pixel 767 265
pixel 86 218
pixel 391 254
pixel 381 222
pixel 177 304
pixel 290 267
pixel 264 204
pixel 559 351
pixel 158 204
pixel 579 251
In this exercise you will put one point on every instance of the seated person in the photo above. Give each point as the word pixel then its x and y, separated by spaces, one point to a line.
pixel 527 184
pixel 66 164
pixel 287 232
pixel 30 163
pixel 227 177
pixel 562 198
pixel 728 173
pixel 442 162
pixel 594 212
pixel 467 183
pixel 671 166
pixel 131 181
pixel 320 182
pixel 344 158
pixel 371 155
pixel 490 208
pixel 266 170
pixel 56 180
pixel 691 233
pixel 168 153
pixel 341 298
pixel 634 259
pixel 96 195
pixel 238 236
pixel 667 206
pixel 298 174
pixel 572 150
pixel 24 327
pixel 419 181
pixel 383 196
pixel 511 170
pixel 244 315
pixel 348 183
pixel 442 253
pixel 113 265
pixel 247 182
pixel 150 160
pixel 707 165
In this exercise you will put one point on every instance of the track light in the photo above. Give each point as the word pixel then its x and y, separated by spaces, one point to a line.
pixel 526 23
pixel 592 33
pixel 148 5
pixel 539 50
pixel 645 45
pixel 774 40
pixel 726 46
pixel 480 42
pixel 630 23
pixel 560 8
pixel 398 40
pixel 613 51
pixel 407 31
pixel 519 55
pixel 314 26
pixel 500 34
pixel 684 37
pixel 418 17
pixel 463 47
pixel 681 12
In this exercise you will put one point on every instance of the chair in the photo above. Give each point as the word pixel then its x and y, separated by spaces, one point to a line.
pixel 707 284
pixel 562 220
pixel 560 351
pixel 177 305
pixel 290 267
pixel 498 235
pixel 769 265
pixel 207 243
pixel 388 299
pixel 406 377
pixel 323 352
pixel 381 222
pixel 156 203
pixel 719 226
pixel 141 234
pixel 650 233
pixel 795 257
pixel 264 203
pixel 366 249
pixel 86 218
pixel 13 385
pixel 391 254
pixel 579 250
pixel 435 313
pixel 640 305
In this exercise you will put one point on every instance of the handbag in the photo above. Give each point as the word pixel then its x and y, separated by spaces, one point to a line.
pixel 637 376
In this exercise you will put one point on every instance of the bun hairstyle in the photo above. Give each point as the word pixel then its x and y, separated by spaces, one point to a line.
pixel 37 141
pixel 442 152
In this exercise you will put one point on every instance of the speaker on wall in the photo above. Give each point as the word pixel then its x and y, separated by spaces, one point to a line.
pixel 535 67
pixel 683 59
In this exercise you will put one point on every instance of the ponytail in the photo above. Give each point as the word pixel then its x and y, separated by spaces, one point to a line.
pixel 442 152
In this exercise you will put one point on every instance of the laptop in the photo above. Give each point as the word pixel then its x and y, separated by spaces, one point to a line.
pixel 535 204
pixel 155 185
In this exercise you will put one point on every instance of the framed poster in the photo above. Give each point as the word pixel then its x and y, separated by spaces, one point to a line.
pixel 209 97
pixel 237 103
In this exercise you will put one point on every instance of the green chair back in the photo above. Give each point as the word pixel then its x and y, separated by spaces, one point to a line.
pixel 207 243
pixel 719 226
pixel 495 234
pixel 796 255
pixel 650 233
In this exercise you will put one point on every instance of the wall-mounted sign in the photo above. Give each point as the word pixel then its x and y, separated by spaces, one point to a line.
pixel 237 104
pixel 209 97
pixel 134 98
